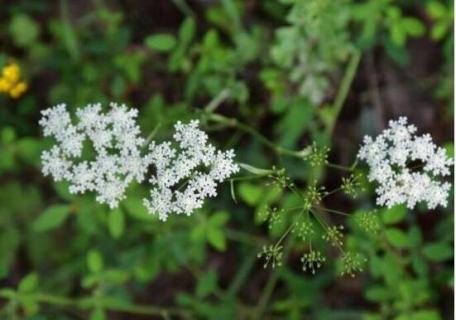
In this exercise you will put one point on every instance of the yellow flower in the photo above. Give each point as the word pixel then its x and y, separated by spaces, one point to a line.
pixel 10 81
pixel 18 90
pixel 4 85
pixel 11 72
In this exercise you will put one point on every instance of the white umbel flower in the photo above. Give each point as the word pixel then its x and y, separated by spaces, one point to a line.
pixel 406 166
pixel 117 143
pixel 186 173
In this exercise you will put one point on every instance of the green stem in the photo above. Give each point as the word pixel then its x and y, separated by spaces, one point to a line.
pixel 270 284
pixel 338 166
pixel 112 305
pixel 234 123
pixel 335 211
pixel 217 101
pixel 151 135
pixel 247 238
pixel 344 88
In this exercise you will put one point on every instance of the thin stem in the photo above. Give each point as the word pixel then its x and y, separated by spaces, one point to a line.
pixel 339 167
pixel 270 284
pixel 284 235
pixel 105 303
pixel 151 135
pixel 232 122
pixel 217 101
pixel 331 192
pixel 325 227
pixel 246 178
pixel 344 88
pixel 184 7
pixel 247 238
pixel 335 211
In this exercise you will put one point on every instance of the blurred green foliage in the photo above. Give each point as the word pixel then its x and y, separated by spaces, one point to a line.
pixel 277 65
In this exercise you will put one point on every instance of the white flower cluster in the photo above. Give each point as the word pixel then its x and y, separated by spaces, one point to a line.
pixel 115 139
pixel 406 166
pixel 187 174
pixel 116 142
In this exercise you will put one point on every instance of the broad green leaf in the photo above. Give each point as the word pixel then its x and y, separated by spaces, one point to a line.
pixel 116 222
pixel 8 135
pixel 98 314
pixel 436 9
pixel 413 26
pixel 29 283
pixel 377 294
pixel 162 42
pixel 207 283
pixel 438 251
pixel 219 218
pixel 187 30
pixel 394 214
pixel 398 35
pixel 420 315
pixel 216 238
pixel 135 208
pixel 24 30
pixel 51 218
pixel 250 193
pixel 94 261
pixel 397 238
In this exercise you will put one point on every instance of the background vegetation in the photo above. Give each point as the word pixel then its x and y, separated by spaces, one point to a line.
pixel 295 71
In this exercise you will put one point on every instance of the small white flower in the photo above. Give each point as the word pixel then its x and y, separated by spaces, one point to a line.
pixel 406 166
pixel 186 173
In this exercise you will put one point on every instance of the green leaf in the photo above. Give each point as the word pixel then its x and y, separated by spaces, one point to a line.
pixel 216 238
pixel 438 251
pixel 207 283
pixel 377 294
pixel 413 26
pixel 24 30
pixel 8 135
pixel 51 218
pixel 162 42
pixel 135 208
pixel 94 261
pixel 394 214
pixel 187 30
pixel 398 35
pixel 29 283
pixel 420 315
pixel 436 9
pixel 98 314
pixel 116 223
pixel 250 193
pixel 397 238
pixel 219 218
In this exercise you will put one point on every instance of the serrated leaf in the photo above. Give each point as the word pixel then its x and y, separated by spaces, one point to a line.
pixel 51 218
pixel 94 261
pixel 397 238
pixel 116 223
pixel 162 42
pixel 438 251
